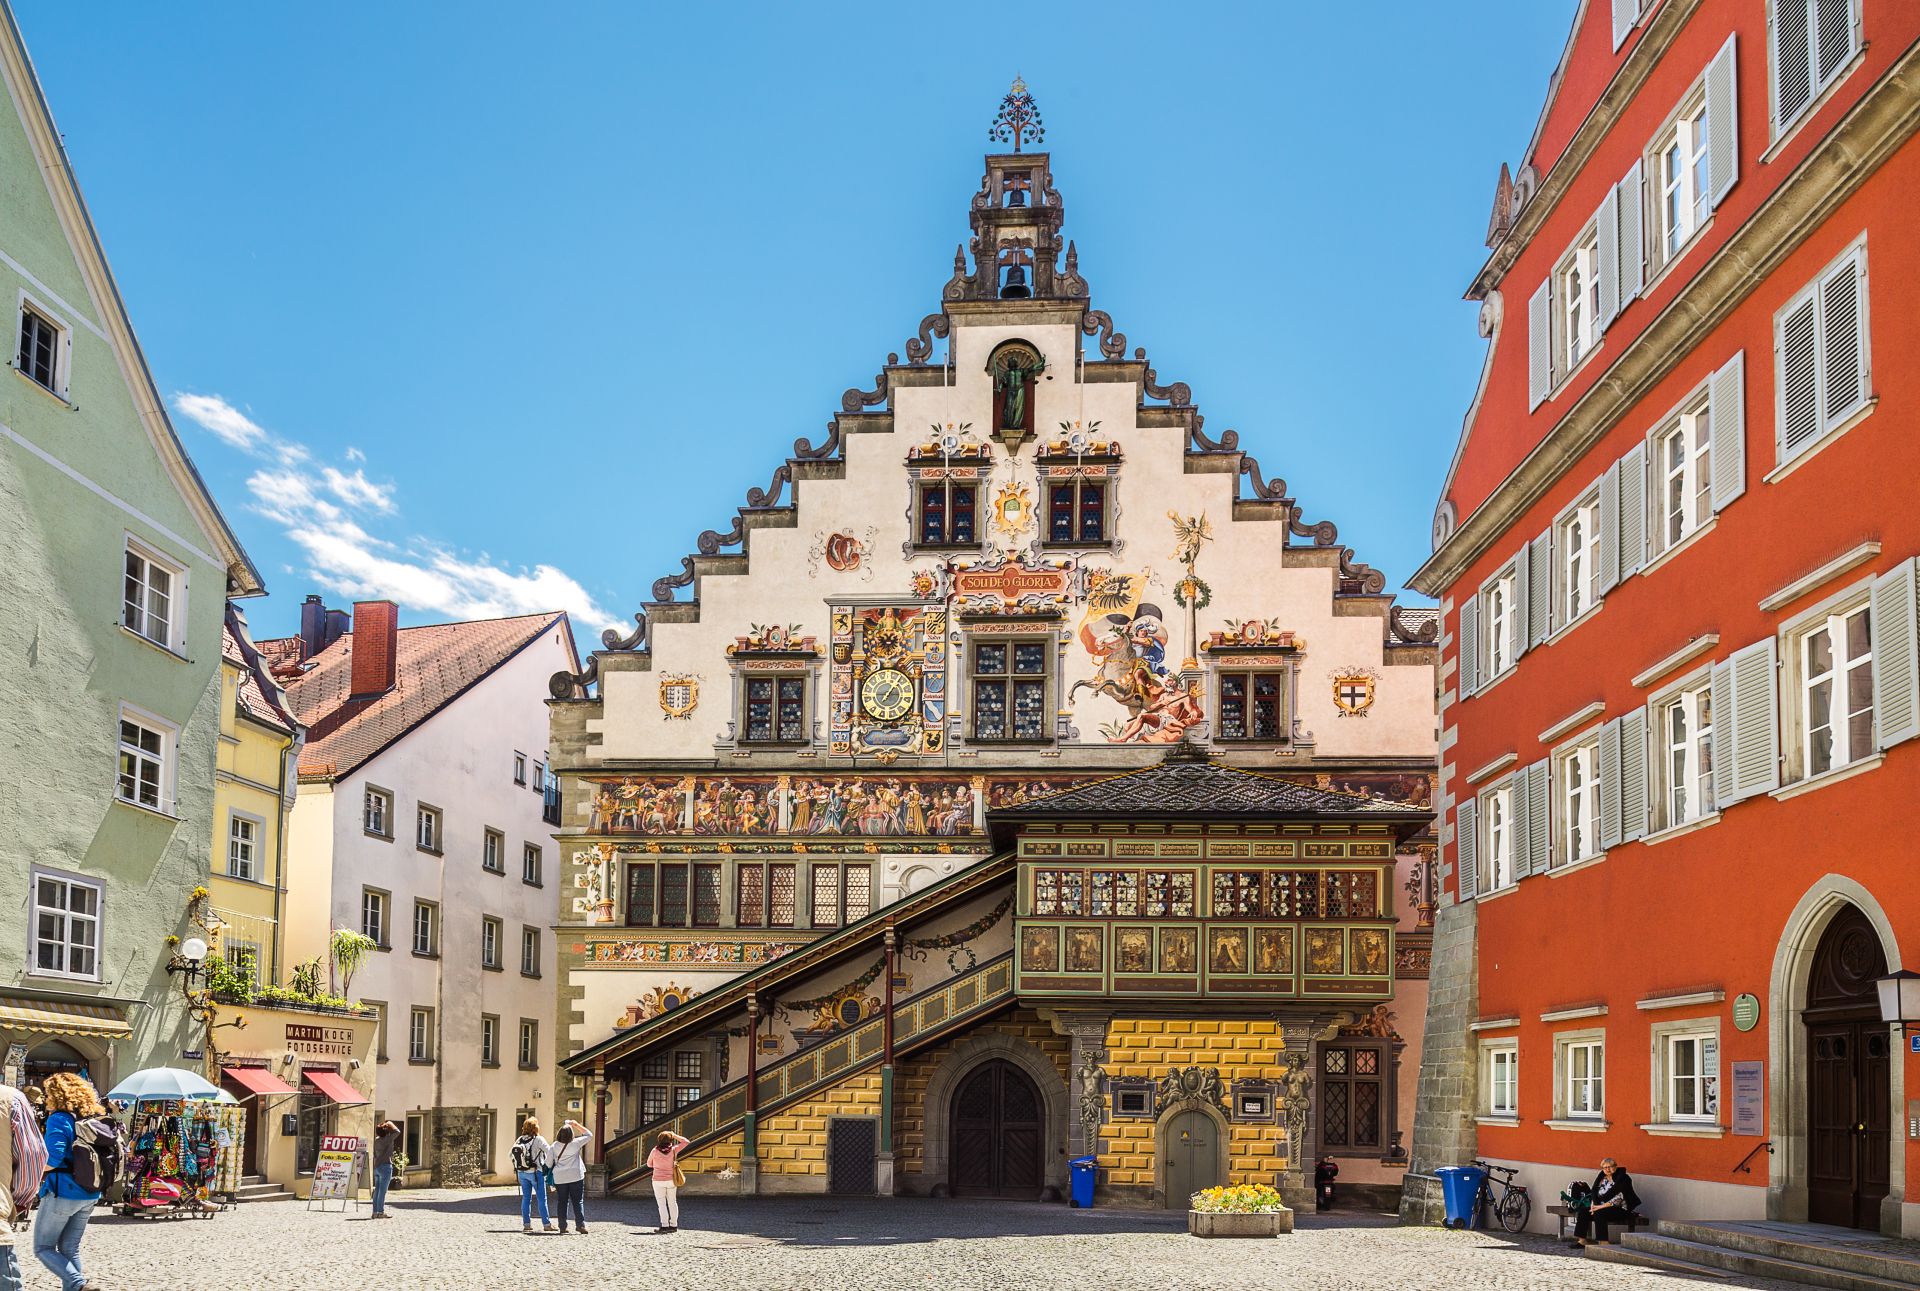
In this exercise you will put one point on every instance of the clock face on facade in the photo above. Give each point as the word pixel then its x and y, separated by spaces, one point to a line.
pixel 886 694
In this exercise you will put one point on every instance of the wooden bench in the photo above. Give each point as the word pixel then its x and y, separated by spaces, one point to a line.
pixel 1633 1223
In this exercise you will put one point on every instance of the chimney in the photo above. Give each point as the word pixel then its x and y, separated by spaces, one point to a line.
pixel 320 627
pixel 376 627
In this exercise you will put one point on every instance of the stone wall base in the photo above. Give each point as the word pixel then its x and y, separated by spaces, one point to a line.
pixel 1444 1131
pixel 459 1146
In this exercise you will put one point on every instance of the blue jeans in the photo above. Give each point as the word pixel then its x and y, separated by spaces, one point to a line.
pixel 382 1180
pixel 57 1231
pixel 533 1186
pixel 10 1270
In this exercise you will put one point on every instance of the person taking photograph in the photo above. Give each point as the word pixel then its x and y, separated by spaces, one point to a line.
pixel 570 1173
pixel 386 1137
pixel 664 1161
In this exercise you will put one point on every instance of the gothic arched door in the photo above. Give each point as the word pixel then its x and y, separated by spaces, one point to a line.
pixel 1190 1144
pixel 1848 1088
pixel 995 1126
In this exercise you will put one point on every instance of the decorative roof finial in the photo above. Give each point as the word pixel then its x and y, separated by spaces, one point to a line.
pixel 1018 118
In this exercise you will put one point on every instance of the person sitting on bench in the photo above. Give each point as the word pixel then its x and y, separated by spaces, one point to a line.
pixel 1613 1200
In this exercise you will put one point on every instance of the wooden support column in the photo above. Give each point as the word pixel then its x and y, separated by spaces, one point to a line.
pixel 750 1133
pixel 884 1182
pixel 599 1086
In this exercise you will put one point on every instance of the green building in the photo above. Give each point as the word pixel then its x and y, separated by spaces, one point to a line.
pixel 117 573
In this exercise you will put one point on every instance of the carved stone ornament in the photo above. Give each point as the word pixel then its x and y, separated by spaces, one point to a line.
pixel 1203 1083
pixel 1093 1103
pixel 679 695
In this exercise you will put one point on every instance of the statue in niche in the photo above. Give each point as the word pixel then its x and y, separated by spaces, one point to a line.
pixel 1014 372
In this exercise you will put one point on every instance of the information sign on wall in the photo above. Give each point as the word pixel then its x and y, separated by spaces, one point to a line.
pixel 1750 1098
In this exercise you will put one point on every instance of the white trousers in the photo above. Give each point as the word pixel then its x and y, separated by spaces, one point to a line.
pixel 667 1196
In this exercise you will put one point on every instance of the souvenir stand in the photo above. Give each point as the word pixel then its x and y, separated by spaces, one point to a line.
pixel 181 1154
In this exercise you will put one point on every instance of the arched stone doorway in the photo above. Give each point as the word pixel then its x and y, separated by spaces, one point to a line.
pixel 1833 1093
pixel 995 1127
pixel 959 1063
pixel 1191 1151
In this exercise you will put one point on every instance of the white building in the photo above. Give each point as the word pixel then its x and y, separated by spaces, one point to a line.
pixel 424 820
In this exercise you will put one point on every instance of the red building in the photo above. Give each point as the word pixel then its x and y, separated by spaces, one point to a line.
pixel 1676 555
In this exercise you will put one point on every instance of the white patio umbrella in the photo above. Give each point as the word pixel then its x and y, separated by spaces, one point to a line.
pixel 162 1082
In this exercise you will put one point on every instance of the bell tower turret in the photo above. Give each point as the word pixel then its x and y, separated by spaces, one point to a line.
pixel 1016 218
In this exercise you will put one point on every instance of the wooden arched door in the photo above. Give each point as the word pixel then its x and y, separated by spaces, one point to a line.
pixel 996 1124
pixel 1849 1094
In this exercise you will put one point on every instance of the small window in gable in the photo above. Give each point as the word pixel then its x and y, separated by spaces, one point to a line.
pixel 41 356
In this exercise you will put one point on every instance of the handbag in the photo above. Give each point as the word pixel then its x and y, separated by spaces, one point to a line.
pixel 679 1176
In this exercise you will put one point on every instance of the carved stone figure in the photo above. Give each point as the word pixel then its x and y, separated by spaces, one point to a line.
pixel 1183 1083
pixel 1011 381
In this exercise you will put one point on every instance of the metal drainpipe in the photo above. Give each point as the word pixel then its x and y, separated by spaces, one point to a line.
pixel 289 761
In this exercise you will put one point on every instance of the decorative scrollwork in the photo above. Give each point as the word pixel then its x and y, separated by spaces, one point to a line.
pixel 663 587
pixel 637 640
pixel 806 452
pixel 1097 322
pixel 710 542
pixel 1227 443
pixel 920 347
pixel 1323 534
pixel 1178 395
pixel 761 499
pixel 1425 634
pixel 854 398
pixel 1372 582
pixel 956 288
pixel 1265 490
pixel 572 685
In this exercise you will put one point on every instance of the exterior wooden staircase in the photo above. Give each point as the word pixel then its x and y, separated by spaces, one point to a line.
pixel 918 1021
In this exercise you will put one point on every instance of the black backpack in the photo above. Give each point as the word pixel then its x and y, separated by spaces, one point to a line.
pixel 98 1154
pixel 526 1155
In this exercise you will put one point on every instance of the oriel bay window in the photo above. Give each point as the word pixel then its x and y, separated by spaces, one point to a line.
pixel 763 894
pixel 947 509
pixel 776 709
pixel 1162 894
pixel 1251 706
pixel 1010 689
pixel 842 893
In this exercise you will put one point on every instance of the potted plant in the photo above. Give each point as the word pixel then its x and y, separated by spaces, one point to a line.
pixel 1238 1210
pixel 400 1164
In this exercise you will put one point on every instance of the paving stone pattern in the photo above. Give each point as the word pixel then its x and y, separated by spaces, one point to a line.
pixel 472 1240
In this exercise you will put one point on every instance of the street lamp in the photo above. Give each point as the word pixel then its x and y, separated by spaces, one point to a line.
pixel 189 959
pixel 1900 999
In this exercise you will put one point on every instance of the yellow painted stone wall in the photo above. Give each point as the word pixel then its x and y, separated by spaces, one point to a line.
pixel 1151 1047
pixel 794 1141
pixel 916 1071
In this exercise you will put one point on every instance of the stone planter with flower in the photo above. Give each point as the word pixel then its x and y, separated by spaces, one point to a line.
pixel 1239 1210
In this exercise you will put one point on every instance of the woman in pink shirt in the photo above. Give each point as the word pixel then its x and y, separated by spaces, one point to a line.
pixel 663 1161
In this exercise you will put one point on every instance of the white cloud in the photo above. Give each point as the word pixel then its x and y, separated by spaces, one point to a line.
pixel 355 455
pixel 222 419
pixel 357 490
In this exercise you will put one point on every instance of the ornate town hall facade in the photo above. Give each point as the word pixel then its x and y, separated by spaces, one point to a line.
pixel 1019 777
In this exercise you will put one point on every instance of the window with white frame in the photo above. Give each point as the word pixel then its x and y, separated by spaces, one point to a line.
pixel 1834 657
pixel 426 928
pixel 539 781
pixel 1821 355
pixel 427 829
pixel 1503 628
pixel 1813 42
pixel 1500 1078
pixel 493 852
pixel 418 1140
pixel 529 1044
pixel 377 814
pixel 243 838
pixel 66 926
pixel 146 762
pixel 243 957
pixel 1578 775
pixel 1496 809
pixel 489 1040
pixel 149 598
pixel 1684 729
pixel 1686 1072
pixel 519 768
pixel 1683 465
pixel 1578 297
pixel 420 1036
pixel 41 355
pixel 1677 165
pixel 1584 1062
pixel 373 915
pixel 530 864
pixel 530 952
pixel 492 933
pixel 1577 542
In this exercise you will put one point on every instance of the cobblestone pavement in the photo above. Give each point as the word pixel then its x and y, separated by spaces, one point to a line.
pixel 472 1240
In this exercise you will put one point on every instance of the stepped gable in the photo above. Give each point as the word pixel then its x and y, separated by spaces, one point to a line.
pixel 1185 784
pixel 433 666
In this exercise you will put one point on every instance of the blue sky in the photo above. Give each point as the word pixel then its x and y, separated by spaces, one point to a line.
pixel 493 308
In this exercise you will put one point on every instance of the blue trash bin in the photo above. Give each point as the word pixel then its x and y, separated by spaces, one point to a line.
pixel 1460 1186
pixel 1080 1176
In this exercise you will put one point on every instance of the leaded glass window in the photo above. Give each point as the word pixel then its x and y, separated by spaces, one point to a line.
pixel 776 710
pixel 1169 894
pixel 706 896
pixel 1010 690
pixel 1250 705
pixel 1236 892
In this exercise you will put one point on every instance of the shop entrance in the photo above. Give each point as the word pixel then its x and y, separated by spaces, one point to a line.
pixel 1190 1145
pixel 996 1130
pixel 50 1056
pixel 1848 1085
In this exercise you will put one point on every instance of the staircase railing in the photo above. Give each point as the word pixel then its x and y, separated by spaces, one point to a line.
pixel 1743 1168
pixel 918 1021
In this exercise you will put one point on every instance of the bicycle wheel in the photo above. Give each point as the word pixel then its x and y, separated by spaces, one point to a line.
pixel 1514 1210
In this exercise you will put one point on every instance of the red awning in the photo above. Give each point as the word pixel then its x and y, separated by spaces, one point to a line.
pixel 259 1080
pixel 330 1084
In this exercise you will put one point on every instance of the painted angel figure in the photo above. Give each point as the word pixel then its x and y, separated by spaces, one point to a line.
pixel 1190 534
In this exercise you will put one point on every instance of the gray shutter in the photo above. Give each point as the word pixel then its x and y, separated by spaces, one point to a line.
pixel 1723 122
pixel 1833 20
pixel 1746 733
pixel 1633 222
pixel 1799 362
pixel 1520 822
pixel 1539 817
pixel 1626 14
pixel 1895 620
pixel 1843 353
pixel 1632 524
pixel 1606 222
pixel 1610 784
pixel 1469 646
pixel 1609 545
pixel 1540 595
pixel 1466 847
pixel 1792 60
pixel 1633 775
pixel 1522 596
pixel 1727 434
pixel 1540 345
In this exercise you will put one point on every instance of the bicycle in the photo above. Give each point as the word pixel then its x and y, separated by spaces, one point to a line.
pixel 1512 1207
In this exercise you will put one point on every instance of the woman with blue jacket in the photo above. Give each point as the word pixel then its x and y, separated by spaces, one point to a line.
pixel 65 1206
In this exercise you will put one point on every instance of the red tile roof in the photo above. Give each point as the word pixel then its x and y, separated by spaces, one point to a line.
pixel 261 698
pixel 435 664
